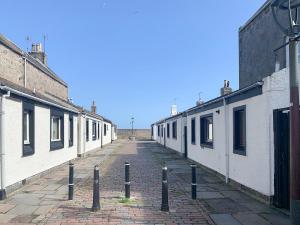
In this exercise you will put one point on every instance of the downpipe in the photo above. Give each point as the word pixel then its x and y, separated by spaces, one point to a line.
pixel 2 146
pixel 226 141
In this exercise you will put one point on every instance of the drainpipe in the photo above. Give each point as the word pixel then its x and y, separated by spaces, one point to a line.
pixel 2 145
pixel 25 72
pixel 84 134
pixel 226 140
pixel 101 133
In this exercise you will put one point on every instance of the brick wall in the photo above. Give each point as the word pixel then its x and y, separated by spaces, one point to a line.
pixel 12 69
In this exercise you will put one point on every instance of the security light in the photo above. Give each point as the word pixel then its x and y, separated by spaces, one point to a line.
pixel 290 8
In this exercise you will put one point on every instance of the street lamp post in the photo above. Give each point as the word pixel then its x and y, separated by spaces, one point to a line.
pixel 132 122
pixel 292 31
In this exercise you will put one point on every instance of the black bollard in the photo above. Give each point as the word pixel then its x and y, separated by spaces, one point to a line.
pixel 127 180
pixel 96 191
pixel 71 181
pixel 165 194
pixel 194 182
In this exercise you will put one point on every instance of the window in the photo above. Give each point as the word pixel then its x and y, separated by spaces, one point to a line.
pixel 168 130
pixel 239 130
pixel 94 130
pixel 174 130
pixel 56 129
pixel 152 131
pixel 56 124
pixel 193 131
pixel 206 129
pixel 87 130
pixel 105 129
pixel 71 130
pixel 162 131
pixel 158 131
pixel 28 129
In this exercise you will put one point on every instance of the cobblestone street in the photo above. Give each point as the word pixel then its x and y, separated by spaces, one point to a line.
pixel 44 201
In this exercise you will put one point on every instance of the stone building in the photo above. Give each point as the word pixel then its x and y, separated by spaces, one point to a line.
pixel 39 127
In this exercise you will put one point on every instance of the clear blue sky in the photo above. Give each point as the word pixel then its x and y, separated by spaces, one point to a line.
pixel 134 57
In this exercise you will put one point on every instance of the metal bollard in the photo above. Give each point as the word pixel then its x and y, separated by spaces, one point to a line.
pixel 71 181
pixel 194 182
pixel 165 190
pixel 127 180
pixel 96 190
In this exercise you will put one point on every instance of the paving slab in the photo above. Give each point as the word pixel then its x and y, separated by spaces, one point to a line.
pixel 209 195
pixel 251 219
pixel 224 205
pixel 4 208
pixel 276 219
pixel 45 201
pixel 224 219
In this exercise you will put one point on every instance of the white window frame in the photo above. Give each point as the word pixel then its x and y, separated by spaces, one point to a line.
pixel 94 132
pixel 27 138
pixel 59 128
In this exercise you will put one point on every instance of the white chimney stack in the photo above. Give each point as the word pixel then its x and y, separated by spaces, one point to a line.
pixel 174 110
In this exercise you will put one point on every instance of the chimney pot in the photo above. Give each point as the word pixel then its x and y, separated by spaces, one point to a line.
pixel 94 108
pixel 226 89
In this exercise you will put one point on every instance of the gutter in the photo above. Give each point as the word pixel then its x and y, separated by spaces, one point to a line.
pixel 25 72
pixel 260 83
pixel 2 146
pixel 5 88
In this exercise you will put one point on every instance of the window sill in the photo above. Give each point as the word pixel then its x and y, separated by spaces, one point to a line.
pixel 207 145
pixel 27 150
pixel 56 145
pixel 241 152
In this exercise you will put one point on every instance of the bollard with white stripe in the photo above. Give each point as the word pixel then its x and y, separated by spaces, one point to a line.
pixel 165 190
pixel 71 181
pixel 194 182
pixel 127 180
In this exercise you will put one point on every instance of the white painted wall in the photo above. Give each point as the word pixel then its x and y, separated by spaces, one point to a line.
pixel 19 167
pixel 106 139
pixel 154 136
pixel 211 158
pixel 86 146
pixel 175 144
pixel 256 169
pixel 114 133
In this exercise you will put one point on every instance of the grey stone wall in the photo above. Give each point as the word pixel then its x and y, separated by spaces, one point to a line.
pixel 257 42
pixel 12 69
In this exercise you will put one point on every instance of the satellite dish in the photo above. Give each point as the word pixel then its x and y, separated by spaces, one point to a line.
pixel 291 8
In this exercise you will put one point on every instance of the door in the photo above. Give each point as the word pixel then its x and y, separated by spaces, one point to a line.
pixel 282 158
pixel 185 142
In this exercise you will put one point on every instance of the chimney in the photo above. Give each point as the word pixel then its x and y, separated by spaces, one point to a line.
pixel 38 53
pixel 173 110
pixel 199 102
pixel 226 89
pixel 94 108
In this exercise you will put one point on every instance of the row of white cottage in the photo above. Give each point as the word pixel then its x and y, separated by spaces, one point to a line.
pixel 242 136
pixel 40 127
pixel 37 135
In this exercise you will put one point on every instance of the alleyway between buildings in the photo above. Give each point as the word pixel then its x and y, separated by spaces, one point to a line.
pixel 44 201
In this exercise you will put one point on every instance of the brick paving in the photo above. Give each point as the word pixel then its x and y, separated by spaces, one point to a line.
pixel 44 201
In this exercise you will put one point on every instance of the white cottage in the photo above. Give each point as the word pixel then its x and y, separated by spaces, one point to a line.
pixel 39 127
